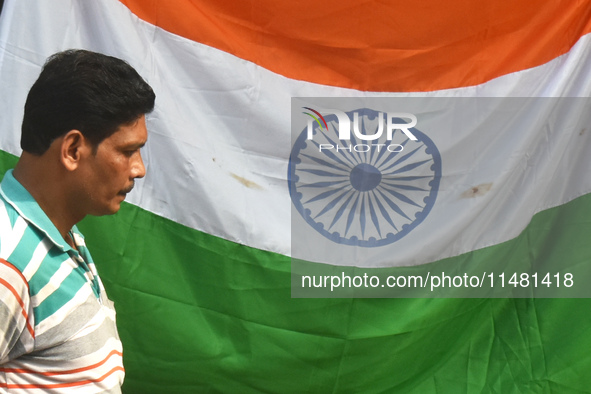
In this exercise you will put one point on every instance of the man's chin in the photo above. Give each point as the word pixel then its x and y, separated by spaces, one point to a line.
pixel 115 208
pixel 110 210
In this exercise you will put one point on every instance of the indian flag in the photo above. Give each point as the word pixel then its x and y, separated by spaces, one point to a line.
pixel 198 262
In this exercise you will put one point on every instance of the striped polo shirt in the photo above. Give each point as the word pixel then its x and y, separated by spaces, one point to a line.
pixel 57 326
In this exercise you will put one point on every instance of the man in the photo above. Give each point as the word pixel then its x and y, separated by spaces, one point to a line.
pixel 83 127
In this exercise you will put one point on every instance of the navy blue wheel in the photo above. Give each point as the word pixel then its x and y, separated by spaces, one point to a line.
pixel 360 192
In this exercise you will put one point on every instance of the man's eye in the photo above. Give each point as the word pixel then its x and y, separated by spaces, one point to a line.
pixel 129 153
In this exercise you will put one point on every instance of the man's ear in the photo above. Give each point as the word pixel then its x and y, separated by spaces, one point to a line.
pixel 74 147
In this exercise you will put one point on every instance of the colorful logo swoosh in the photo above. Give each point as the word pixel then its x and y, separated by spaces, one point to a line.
pixel 315 118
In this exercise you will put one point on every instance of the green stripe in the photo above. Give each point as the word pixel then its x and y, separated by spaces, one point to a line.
pixel 48 267
pixel 68 289
pixel 209 314
pixel 200 314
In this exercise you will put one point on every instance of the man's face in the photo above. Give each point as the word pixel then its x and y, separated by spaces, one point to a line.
pixel 108 175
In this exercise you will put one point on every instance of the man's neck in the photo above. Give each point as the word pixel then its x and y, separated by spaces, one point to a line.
pixel 46 186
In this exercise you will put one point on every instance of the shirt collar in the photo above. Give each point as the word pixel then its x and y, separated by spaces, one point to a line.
pixel 22 201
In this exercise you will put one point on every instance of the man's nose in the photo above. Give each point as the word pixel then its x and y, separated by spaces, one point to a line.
pixel 138 169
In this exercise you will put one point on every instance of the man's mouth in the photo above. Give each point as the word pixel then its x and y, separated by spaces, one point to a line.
pixel 127 190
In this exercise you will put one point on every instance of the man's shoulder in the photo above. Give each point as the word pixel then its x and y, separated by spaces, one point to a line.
pixel 53 277
pixel 18 238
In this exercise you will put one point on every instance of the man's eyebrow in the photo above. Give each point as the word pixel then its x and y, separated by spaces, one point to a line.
pixel 135 146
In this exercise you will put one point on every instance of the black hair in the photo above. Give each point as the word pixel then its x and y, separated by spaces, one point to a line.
pixel 85 91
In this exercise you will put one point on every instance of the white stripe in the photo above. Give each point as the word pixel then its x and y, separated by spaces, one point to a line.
pixel 59 316
pixel 13 237
pixel 38 255
pixel 226 123
pixel 92 268
pixel 5 225
pixel 526 162
pixel 93 323
pixel 88 274
pixel 78 240
pixel 54 282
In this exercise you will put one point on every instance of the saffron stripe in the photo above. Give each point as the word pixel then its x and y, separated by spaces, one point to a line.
pixel 376 47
